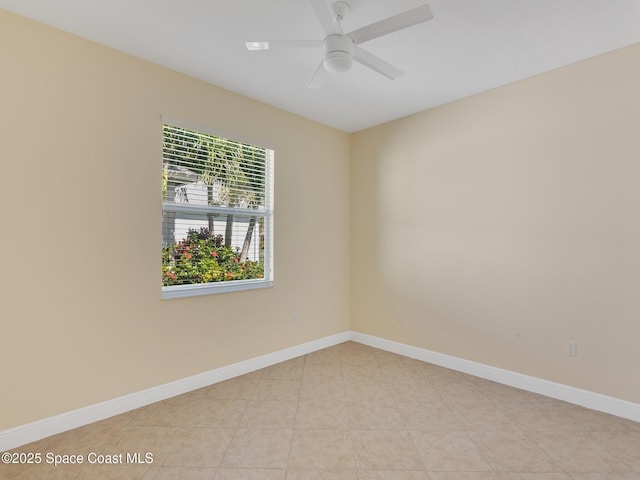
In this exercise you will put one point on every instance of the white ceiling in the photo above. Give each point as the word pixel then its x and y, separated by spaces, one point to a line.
pixel 470 46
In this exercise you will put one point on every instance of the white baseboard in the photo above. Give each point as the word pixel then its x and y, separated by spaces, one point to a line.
pixel 40 429
pixel 585 398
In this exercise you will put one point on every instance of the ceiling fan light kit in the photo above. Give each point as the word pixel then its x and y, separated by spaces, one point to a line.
pixel 338 53
pixel 340 49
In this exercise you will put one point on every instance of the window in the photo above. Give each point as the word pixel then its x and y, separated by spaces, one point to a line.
pixel 217 214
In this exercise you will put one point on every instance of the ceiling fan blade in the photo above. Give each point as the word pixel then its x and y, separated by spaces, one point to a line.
pixel 375 63
pixel 276 44
pixel 392 24
pixel 326 17
pixel 317 79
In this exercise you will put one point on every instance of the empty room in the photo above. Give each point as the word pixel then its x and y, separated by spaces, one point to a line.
pixel 307 239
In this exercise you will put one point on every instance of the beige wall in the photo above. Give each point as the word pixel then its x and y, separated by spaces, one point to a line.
pixel 80 161
pixel 507 223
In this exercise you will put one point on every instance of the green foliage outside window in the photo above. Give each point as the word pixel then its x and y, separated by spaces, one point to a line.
pixel 203 258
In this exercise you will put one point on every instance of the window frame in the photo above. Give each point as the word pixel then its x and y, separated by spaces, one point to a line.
pixel 198 289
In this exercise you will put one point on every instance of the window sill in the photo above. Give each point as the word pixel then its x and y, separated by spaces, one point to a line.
pixel 183 291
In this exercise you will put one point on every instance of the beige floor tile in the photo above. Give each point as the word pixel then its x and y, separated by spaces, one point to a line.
pixel 633 426
pixel 322 415
pixel 240 388
pixel 538 417
pixel 321 450
pixel 443 377
pixel 159 415
pixel 449 450
pixel 352 412
pixel 505 394
pixel 404 391
pixel 369 391
pixel 402 373
pixel 293 474
pixel 462 475
pixel 289 370
pixel 113 472
pixel 431 372
pixel 482 416
pixel 586 419
pixel 579 452
pixel 605 476
pixel 323 391
pixel 428 416
pixel 276 389
pixel 199 393
pixel 322 373
pixel 533 476
pixel 99 437
pixel 143 439
pixel 365 359
pixel 259 448
pixel 361 372
pixel 355 356
pixel 250 474
pixel 122 419
pixel 200 447
pixel 375 416
pixel 589 476
pixel 623 445
pixel 38 446
pixel 182 473
pixel 388 359
pixel 385 450
pixel 217 413
pixel 351 346
pixel 325 358
pixel 460 393
pixel 391 475
pixel 269 414
pixel 513 452
pixel 41 471
pixel 163 414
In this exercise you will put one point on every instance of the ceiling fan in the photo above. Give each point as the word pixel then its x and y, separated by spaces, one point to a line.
pixel 340 49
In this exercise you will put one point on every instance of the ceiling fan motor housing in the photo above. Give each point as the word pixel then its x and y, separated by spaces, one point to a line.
pixel 338 53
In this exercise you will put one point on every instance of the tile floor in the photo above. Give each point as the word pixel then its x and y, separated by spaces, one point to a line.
pixel 351 412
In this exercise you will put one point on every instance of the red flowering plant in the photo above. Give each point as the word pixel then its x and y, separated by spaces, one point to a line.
pixel 202 257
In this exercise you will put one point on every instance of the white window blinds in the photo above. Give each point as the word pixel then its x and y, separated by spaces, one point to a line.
pixel 217 213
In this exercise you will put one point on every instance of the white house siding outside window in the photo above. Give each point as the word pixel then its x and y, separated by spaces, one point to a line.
pixel 217 213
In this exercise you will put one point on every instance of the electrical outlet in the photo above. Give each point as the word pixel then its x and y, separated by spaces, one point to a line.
pixel 296 318
pixel 572 348
pixel 398 315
